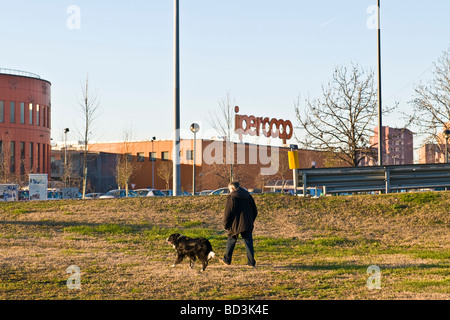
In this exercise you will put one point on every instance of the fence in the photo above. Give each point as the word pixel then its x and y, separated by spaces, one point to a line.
pixel 377 178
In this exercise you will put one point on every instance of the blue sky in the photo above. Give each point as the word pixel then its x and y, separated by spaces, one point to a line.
pixel 265 53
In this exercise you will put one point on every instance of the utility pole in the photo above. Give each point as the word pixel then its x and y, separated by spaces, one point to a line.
pixel 380 124
pixel 176 135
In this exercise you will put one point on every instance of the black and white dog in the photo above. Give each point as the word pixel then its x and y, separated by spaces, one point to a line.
pixel 191 247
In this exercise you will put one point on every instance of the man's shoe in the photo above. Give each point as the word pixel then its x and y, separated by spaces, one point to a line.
pixel 223 262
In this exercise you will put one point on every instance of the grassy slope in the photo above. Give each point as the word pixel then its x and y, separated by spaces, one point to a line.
pixel 305 248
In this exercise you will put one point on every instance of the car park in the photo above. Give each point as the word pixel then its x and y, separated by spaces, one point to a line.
pixel 149 193
pixel 220 191
pixel 54 195
pixel 24 195
pixel 118 193
pixel 94 195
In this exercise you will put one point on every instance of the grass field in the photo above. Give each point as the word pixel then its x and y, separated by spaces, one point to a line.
pixel 305 248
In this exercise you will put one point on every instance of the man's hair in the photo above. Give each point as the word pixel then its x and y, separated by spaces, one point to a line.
pixel 235 184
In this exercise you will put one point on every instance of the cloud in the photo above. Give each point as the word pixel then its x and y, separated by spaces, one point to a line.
pixel 330 21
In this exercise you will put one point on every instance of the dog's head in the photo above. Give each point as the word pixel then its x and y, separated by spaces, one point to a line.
pixel 173 239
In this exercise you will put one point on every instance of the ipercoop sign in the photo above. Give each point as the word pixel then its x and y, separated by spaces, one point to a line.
pixel 254 126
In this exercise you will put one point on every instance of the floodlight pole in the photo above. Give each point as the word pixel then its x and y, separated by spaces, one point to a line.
pixel 176 135
pixel 380 124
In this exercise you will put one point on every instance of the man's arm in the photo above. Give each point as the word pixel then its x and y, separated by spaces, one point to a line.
pixel 254 209
pixel 229 213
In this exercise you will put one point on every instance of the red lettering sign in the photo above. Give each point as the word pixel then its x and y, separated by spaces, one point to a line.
pixel 255 126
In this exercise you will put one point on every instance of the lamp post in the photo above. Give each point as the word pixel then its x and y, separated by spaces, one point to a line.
pixel 66 130
pixel 153 166
pixel 446 135
pixel 380 125
pixel 194 128
pixel 176 134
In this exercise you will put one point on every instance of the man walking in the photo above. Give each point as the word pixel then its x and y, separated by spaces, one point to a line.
pixel 239 217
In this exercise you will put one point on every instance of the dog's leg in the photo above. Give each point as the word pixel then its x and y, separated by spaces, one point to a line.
pixel 205 264
pixel 180 258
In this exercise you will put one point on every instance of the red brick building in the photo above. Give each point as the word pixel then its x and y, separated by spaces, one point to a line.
pixel 25 123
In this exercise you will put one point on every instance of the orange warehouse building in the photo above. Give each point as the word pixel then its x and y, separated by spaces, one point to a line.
pixel 25 123
pixel 253 165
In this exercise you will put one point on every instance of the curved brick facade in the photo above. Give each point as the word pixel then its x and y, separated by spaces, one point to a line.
pixel 25 123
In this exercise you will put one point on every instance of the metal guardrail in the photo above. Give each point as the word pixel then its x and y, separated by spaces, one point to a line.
pixel 19 73
pixel 384 178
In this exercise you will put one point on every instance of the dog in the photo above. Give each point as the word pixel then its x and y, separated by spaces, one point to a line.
pixel 193 248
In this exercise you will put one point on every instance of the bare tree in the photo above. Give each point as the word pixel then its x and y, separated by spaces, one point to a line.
pixel 126 168
pixel 89 107
pixel 165 172
pixel 342 120
pixel 432 103
pixel 223 122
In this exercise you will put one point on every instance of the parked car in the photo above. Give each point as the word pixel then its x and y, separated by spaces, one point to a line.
pixel 220 191
pixel 54 195
pixel 149 193
pixel 167 192
pixel 94 195
pixel 24 195
pixel 204 192
pixel 118 194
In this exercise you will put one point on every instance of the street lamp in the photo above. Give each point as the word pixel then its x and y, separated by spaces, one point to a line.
pixel 66 130
pixel 446 135
pixel 153 165
pixel 380 122
pixel 194 128
pixel 176 129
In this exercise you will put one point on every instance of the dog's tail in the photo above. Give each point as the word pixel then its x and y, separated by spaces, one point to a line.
pixel 211 255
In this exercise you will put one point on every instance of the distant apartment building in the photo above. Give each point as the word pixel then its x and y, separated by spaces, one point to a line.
pixel 397 146
pixel 435 152
pixel 431 153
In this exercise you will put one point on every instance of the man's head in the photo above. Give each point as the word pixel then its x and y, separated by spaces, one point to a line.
pixel 232 186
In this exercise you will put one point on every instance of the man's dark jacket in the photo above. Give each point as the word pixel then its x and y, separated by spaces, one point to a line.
pixel 240 212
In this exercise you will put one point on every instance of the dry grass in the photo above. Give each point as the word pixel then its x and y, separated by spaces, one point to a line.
pixel 305 248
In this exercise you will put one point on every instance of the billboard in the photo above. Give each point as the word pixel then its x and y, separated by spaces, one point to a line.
pixel 9 192
pixel 38 186
pixel 70 193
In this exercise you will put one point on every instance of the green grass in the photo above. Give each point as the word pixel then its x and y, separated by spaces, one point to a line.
pixel 101 229
pixel 305 248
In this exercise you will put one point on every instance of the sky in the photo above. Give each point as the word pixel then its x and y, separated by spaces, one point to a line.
pixel 263 53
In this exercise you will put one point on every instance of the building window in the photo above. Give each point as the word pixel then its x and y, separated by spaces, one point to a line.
pixel 30 107
pixel 165 155
pixel 22 158
pixel 12 116
pixel 22 113
pixel 12 157
pixel 43 116
pixel 37 114
pixel 152 156
pixel 1 111
pixel 38 169
pixel 44 158
pixel 190 155
pixel 140 157
pixel 31 156
pixel 129 157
